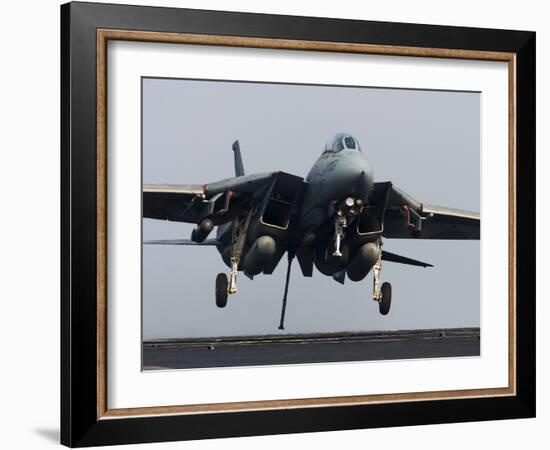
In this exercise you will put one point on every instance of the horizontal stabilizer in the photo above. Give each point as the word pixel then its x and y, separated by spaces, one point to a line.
pixel 392 257
pixel 182 242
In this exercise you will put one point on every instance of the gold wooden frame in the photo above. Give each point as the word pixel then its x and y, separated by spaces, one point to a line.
pixel 104 35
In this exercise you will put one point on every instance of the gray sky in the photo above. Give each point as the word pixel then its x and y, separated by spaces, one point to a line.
pixel 426 142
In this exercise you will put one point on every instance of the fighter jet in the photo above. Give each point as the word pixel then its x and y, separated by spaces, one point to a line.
pixel 335 219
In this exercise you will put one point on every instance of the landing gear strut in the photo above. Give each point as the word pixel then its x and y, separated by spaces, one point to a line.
pixel 345 214
pixel 232 289
pixel 340 224
pixel 225 286
pixel 381 292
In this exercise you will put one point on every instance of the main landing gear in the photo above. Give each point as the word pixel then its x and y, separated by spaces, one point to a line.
pixel 221 290
pixel 381 292
pixel 225 286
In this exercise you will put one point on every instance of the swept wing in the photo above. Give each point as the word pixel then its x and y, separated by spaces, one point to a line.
pixel 407 218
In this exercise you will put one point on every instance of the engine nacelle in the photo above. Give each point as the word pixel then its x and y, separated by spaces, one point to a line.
pixel 363 261
pixel 261 252
pixel 203 229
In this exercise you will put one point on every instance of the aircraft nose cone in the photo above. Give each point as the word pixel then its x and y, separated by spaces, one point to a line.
pixel 362 185
pixel 353 177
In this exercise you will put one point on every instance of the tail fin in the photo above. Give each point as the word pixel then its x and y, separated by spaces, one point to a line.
pixel 239 168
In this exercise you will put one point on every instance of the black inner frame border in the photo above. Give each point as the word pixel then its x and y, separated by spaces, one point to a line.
pixel 79 423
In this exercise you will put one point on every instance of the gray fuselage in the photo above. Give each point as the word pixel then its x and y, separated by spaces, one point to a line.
pixel 338 185
pixel 335 176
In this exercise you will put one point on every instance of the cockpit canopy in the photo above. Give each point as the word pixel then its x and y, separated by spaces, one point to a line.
pixel 340 142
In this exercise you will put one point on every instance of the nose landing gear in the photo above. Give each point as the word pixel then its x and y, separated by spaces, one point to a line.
pixel 381 292
pixel 340 224
pixel 346 212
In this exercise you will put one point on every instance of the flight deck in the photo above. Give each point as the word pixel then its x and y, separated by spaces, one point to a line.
pixel 310 348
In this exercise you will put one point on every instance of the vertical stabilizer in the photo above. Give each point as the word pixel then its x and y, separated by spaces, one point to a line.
pixel 239 168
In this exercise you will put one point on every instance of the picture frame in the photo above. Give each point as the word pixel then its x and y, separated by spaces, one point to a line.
pixel 86 29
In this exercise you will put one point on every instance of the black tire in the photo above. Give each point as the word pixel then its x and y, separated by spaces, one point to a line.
pixel 385 301
pixel 221 290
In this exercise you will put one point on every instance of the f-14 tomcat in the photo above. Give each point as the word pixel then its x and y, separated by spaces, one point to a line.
pixel 334 219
